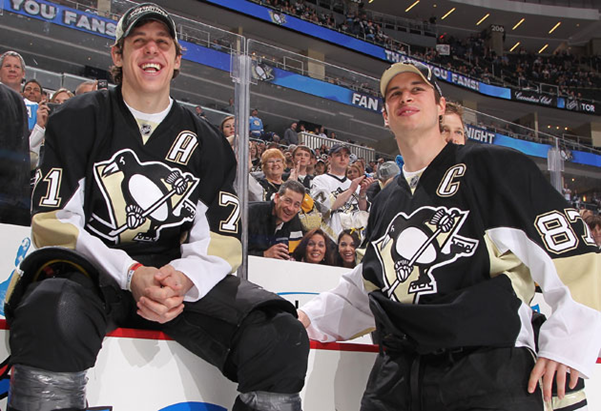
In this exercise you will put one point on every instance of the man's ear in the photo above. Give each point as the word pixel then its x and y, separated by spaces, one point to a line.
pixel 385 116
pixel 442 107
pixel 117 56
pixel 178 62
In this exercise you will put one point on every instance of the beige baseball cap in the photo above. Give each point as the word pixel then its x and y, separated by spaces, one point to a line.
pixel 420 69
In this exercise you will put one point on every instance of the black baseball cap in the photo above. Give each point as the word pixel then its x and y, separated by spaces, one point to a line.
pixel 337 147
pixel 425 72
pixel 141 12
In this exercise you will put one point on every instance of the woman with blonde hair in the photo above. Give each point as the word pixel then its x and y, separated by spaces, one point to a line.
pixel 228 129
pixel 354 171
pixel 61 95
pixel 273 163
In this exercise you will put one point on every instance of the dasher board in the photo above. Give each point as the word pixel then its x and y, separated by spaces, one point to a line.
pixel 146 371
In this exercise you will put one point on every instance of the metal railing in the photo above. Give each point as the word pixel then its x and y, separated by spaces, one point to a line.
pixel 315 142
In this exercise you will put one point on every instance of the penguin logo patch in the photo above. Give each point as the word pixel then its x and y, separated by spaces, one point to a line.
pixel 414 246
pixel 141 198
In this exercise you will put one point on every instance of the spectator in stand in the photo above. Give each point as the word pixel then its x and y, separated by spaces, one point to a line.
pixel 290 135
pixel 14 168
pixel 321 132
pixel 61 95
pixel 354 171
pixel 567 193
pixel 32 91
pixel 453 128
pixel 12 70
pixel 200 112
pixel 320 167
pixel 228 128
pixel 230 106
pixel 371 168
pixel 12 73
pixel 333 135
pixel 315 248
pixel 86 87
pixel 255 124
pixel 260 149
pixel 594 223
pixel 274 229
pixel 255 159
pixel 272 164
pixel 38 117
pixel 339 199
pixel 348 242
pixel 302 157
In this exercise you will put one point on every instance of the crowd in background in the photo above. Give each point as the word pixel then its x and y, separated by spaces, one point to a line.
pixel 574 76
pixel 321 228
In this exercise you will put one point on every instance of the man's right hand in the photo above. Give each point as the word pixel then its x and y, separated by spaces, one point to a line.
pixel 356 183
pixel 42 114
pixel 277 251
pixel 154 301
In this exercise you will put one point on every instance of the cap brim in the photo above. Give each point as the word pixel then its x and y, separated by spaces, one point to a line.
pixel 143 12
pixel 397 69
pixel 151 16
pixel 340 149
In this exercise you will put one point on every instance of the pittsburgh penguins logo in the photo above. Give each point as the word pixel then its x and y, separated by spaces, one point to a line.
pixel 141 198
pixel 277 18
pixel 262 72
pixel 414 246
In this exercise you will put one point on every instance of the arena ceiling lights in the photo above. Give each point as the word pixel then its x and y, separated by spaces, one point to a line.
pixel 555 27
pixel 518 23
pixel 412 6
pixel 487 15
pixel 448 13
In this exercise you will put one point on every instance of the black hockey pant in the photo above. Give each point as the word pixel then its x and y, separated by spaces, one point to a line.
pixel 472 379
pixel 60 324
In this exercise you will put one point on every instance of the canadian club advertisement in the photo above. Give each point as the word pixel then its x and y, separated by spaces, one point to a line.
pixel 534 97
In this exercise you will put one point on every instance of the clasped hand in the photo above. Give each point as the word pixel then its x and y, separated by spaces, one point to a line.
pixel 159 293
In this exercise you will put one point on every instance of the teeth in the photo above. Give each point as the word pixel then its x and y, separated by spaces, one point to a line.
pixel 152 66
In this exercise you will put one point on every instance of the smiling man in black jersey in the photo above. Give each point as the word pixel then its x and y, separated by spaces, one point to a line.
pixel 138 193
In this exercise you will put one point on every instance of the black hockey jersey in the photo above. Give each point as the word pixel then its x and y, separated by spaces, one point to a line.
pixel 106 194
pixel 455 263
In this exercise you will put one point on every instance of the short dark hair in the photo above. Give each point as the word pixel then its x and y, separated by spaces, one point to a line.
pixel 291 185
pixel 32 81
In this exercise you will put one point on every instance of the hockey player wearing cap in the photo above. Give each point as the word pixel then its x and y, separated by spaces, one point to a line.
pixel 141 189
pixel 454 247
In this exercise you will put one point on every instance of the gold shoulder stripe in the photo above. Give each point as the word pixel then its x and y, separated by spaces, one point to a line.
pixel 226 247
pixel 48 230
pixel 512 267
pixel 581 274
